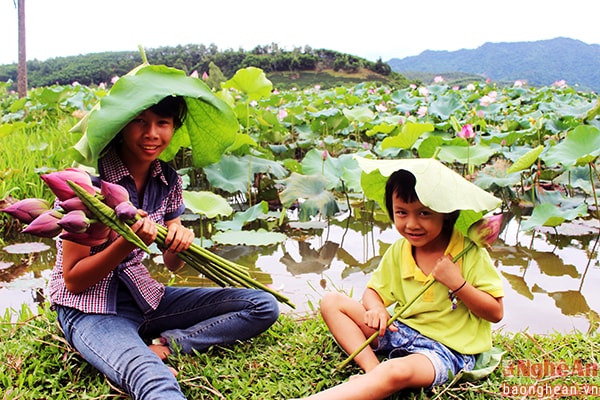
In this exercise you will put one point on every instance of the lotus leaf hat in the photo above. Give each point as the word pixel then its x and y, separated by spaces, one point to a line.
pixel 209 128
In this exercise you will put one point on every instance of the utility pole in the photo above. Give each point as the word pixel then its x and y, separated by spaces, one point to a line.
pixel 22 66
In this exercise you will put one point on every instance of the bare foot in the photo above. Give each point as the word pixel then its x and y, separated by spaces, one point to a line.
pixel 160 350
pixel 173 371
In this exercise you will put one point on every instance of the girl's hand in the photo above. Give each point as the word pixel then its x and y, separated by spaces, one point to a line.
pixel 145 228
pixel 377 318
pixel 447 272
pixel 178 238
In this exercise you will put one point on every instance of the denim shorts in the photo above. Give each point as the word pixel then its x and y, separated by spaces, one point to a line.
pixel 406 340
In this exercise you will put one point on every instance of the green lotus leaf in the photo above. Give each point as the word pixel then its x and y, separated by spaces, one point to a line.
pixel 249 238
pixel 206 203
pixel 252 81
pixel 445 106
pixel 411 131
pixel 497 175
pixel 361 114
pixel 234 174
pixel 551 215
pixel 210 127
pixel 314 164
pixel 581 146
pixel 240 219
pixel 577 177
pixel 472 155
pixel 437 186
pixel 313 193
pixel 527 160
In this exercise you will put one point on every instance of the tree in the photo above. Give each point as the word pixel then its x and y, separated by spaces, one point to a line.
pixel 22 68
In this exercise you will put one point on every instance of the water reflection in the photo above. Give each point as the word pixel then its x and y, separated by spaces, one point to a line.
pixel 550 277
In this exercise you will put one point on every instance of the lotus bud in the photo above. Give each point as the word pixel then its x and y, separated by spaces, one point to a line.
pixel 125 211
pixel 57 182
pixel 45 225
pixel 75 203
pixel 27 210
pixel 113 194
pixel 75 222
pixel 466 132
pixel 485 231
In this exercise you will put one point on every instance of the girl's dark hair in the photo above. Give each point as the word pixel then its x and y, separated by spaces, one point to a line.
pixel 402 184
pixel 173 107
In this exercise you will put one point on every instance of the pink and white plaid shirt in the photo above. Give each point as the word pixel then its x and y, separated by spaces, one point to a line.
pixel 162 199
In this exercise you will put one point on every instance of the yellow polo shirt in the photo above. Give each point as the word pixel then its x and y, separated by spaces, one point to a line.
pixel 398 279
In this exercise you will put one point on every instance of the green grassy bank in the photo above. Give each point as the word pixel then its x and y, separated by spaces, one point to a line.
pixel 296 357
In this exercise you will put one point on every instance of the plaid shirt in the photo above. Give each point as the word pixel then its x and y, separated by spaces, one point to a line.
pixel 163 201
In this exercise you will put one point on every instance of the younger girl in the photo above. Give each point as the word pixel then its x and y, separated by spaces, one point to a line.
pixel 440 333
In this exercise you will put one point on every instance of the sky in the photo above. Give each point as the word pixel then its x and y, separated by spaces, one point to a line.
pixel 373 29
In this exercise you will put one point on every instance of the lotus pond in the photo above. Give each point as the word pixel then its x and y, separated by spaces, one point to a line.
pixel 550 277
pixel 301 217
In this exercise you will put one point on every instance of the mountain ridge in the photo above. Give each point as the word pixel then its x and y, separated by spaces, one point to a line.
pixel 539 63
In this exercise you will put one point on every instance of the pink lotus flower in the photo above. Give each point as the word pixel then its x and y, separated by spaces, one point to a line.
pixel 466 132
pixel 282 114
pixel 46 225
pixel 204 76
pixel 57 182
pixel 125 211
pixel 113 194
pixel 438 79
pixel 422 111
pixel 485 231
pixel 27 210
pixel 194 74
pixel 75 222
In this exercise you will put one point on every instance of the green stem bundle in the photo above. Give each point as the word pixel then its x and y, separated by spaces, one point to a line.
pixel 218 269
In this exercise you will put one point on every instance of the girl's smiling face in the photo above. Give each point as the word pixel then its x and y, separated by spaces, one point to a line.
pixel 420 225
pixel 146 136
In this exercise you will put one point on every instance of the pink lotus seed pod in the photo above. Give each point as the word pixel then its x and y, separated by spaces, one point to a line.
pixel 27 210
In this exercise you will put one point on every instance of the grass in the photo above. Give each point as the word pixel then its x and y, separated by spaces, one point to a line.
pixel 294 358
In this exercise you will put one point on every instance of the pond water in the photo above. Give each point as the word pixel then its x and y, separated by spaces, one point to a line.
pixel 551 278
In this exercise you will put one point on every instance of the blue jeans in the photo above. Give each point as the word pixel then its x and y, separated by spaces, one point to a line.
pixel 407 341
pixel 193 318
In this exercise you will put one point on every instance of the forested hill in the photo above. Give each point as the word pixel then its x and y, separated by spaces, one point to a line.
pixel 94 68
pixel 540 63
